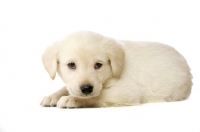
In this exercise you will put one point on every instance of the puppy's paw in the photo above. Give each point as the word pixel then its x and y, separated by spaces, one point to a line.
pixel 49 101
pixel 68 102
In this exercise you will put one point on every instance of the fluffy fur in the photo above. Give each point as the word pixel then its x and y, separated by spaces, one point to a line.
pixel 132 72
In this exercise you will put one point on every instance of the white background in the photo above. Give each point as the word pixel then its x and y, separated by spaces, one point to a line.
pixel 28 27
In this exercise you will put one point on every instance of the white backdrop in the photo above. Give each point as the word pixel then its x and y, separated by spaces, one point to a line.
pixel 28 27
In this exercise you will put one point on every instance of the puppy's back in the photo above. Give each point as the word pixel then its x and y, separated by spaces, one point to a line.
pixel 157 70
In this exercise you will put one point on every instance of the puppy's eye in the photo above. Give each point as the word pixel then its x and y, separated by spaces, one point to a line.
pixel 71 65
pixel 97 65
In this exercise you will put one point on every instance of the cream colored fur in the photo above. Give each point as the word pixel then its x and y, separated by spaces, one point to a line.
pixel 132 72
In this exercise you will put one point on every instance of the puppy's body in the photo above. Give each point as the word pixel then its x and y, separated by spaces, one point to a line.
pixel 131 72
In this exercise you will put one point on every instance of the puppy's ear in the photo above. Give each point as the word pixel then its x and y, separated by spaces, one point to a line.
pixel 116 55
pixel 49 59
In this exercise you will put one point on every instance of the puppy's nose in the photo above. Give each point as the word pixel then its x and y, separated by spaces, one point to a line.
pixel 86 89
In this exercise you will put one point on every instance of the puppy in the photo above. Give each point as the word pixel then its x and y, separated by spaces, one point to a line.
pixel 101 72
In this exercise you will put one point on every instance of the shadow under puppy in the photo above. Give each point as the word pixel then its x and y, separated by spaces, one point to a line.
pixel 100 72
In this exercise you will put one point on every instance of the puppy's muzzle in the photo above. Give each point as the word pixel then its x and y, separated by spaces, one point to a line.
pixel 86 89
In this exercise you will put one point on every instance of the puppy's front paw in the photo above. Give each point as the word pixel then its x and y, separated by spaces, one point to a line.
pixel 68 102
pixel 49 101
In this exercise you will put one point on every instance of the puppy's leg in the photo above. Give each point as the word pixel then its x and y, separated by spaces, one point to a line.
pixel 112 97
pixel 109 97
pixel 69 102
pixel 51 101
pixel 74 102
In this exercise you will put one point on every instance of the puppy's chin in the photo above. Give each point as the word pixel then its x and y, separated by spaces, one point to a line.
pixel 84 96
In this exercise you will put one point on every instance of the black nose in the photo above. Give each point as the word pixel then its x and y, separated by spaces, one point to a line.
pixel 86 89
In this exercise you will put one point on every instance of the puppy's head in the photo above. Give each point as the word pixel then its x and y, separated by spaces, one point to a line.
pixel 85 61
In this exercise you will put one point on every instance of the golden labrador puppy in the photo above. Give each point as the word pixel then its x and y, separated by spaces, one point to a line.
pixel 100 72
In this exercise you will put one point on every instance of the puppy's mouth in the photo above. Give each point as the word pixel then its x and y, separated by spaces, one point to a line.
pixel 84 96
